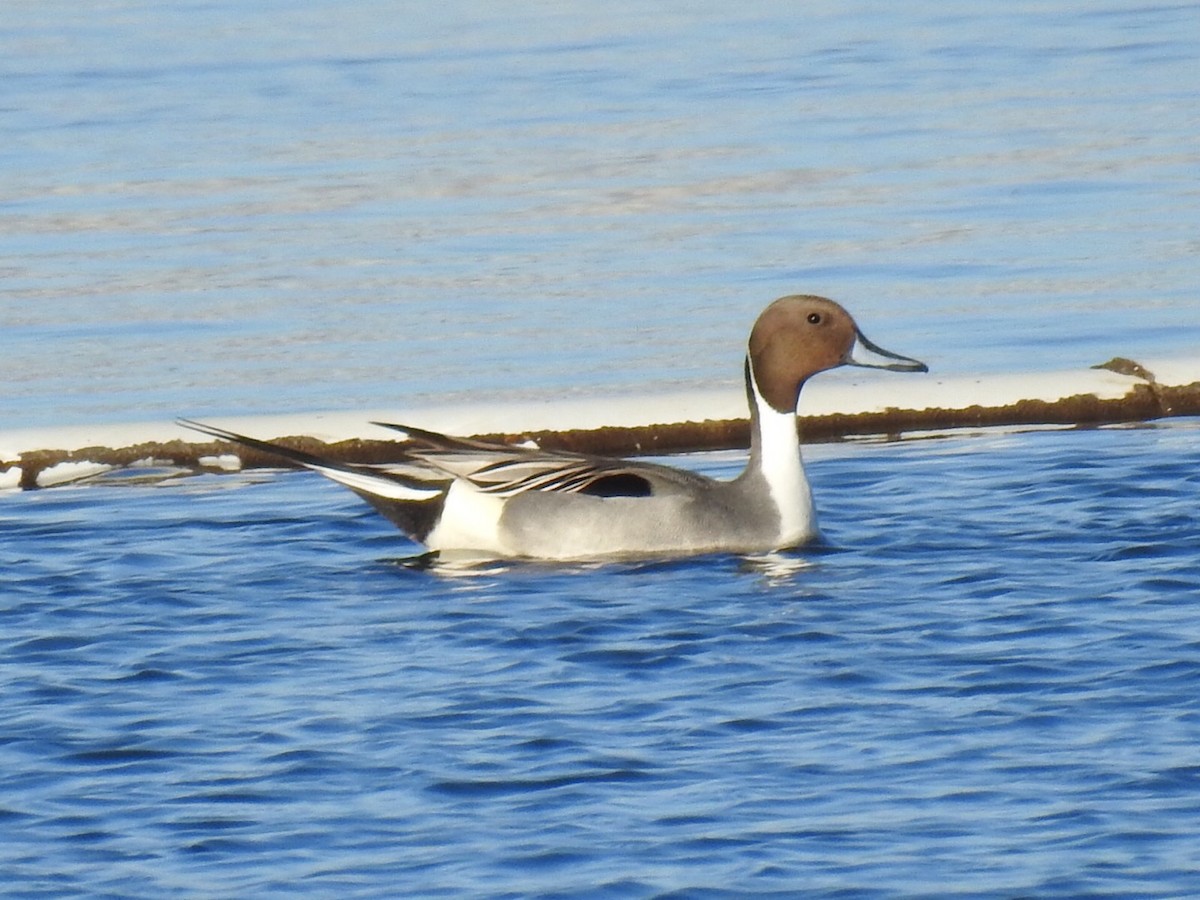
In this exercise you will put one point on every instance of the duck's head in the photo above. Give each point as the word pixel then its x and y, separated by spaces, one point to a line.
pixel 800 335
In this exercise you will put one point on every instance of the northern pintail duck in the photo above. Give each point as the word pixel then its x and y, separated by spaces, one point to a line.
pixel 496 500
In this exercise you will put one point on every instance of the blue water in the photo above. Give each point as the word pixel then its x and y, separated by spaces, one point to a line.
pixel 985 683
pixel 231 208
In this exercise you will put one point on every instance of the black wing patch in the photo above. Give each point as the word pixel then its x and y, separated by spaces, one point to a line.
pixel 620 484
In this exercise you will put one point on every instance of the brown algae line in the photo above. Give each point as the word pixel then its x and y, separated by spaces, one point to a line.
pixel 1144 402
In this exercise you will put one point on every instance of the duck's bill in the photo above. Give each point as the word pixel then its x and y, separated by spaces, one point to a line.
pixel 872 356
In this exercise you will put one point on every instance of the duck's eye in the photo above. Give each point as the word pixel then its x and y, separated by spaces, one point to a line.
pixel 814 318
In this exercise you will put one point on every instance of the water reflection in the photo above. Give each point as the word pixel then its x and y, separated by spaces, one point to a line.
pixel 776 568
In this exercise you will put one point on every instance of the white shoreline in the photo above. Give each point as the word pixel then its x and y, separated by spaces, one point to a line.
pixel 846 393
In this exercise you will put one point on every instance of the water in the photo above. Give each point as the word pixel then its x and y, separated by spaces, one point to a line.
pixel 215 208
pixel 985 683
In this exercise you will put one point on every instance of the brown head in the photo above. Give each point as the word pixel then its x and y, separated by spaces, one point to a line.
pixel 800 335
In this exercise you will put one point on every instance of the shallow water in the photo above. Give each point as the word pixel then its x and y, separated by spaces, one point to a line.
pixel 229 208
pixel 983 683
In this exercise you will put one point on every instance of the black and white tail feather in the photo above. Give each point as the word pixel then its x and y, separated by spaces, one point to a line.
pixel 412 492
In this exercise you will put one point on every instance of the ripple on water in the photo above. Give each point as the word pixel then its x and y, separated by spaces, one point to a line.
pixel 238 690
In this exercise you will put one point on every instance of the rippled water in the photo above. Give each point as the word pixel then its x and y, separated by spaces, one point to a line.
pixel 985 683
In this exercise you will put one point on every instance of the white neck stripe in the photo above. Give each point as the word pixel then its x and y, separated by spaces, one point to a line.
pixel 783 469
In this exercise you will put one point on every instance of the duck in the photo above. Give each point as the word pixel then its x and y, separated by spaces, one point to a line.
pixel 469 498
